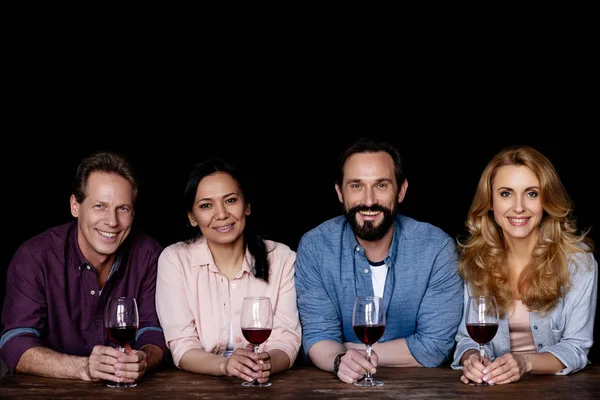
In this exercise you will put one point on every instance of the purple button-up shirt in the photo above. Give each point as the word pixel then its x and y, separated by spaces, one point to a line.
pixel 53 298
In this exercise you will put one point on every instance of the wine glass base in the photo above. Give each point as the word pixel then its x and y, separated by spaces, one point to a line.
pixel 368 383
pixel 121 385
pixel 256 384
pixel 471 383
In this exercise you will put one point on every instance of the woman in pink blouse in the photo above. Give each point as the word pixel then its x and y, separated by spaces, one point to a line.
pixel 202 282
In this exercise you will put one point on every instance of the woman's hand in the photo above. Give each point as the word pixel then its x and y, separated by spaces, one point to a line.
pixel 506 369
pixel 247 365
pixel 472 367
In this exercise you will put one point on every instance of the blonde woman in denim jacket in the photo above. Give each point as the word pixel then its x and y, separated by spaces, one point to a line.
pixel 524 248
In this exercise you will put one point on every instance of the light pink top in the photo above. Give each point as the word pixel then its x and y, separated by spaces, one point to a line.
pixel 521 339
pixel 197 305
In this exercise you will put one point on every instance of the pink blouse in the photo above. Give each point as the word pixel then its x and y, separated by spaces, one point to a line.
pixel 521 339
pixel 197 305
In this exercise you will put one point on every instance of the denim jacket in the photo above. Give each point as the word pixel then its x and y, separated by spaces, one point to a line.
pixel 567 331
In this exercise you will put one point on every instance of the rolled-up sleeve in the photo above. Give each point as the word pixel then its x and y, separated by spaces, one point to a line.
pixel 24 315
pixel 318 314
pixel 287 334
pixel 150 331
pixel 176 318
pixel 579 314
pixel 440 311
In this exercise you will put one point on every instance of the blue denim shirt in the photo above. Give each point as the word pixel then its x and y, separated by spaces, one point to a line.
pixel 423 295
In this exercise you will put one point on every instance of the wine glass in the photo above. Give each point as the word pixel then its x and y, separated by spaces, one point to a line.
pixel 121 322
pixel 482 323
pixel 257 324
pixel 368 322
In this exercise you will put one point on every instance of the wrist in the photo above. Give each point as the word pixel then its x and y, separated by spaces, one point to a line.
pixel 336 363
pixel 223 366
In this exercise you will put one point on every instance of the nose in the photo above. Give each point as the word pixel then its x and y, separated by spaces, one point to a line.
pixel 369 197
pixel 220 212
pixel 519 208
pixel 111 219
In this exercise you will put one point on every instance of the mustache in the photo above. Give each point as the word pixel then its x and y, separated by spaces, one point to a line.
pixel 374 207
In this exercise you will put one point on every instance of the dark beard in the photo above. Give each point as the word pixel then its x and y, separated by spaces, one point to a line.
pixel 369 231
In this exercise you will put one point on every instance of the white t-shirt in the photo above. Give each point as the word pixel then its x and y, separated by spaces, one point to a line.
pixel 378 274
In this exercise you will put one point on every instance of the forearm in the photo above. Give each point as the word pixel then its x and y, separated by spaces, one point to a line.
pixel 542 363
pixel 393 353
pixel 323 353
pixel 280 361
pixel 46 362
pixel 202 362
pixel 154 355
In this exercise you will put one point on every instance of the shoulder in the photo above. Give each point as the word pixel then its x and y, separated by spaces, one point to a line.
pixel 412 229
pixel 331 228
pixel 582 265
pixel 141 241
pixel 53 240
pixel 279 253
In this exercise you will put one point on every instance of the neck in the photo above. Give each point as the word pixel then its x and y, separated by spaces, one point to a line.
pixel 228 257
pixel 378 250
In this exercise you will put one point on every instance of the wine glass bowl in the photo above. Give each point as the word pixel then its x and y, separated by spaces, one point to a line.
pixel 368 323
pixel 121 323
pixel 256 322
pixel 482 323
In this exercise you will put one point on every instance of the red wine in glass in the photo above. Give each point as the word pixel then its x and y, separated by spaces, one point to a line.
pixel 256 336
pixel 368 322
pixel 122 335
pixel 369 334
pixel 121 322
pixel 256 322
pixel 482 323
pixel 482 333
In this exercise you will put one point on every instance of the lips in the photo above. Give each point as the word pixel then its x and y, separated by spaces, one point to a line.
pixel 519 221
pixel 108 235
pixel 223 229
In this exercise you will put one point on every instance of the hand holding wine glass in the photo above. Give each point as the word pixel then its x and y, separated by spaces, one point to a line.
pixel 121 322
pixel 482 323
pixel 368 322
pixel 257 324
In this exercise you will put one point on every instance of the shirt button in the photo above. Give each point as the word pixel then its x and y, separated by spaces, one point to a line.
pixel 234 286
pixel 88 267
pixel 236 313
pixel 535 327
pixel 357 248
pixel 366 271
pixel 238 339
pixel 540 345
pixel 93 292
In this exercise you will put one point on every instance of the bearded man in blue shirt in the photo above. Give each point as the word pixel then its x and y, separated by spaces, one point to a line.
pixel 374 251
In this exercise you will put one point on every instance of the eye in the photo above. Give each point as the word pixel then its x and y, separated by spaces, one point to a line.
pixel 504 194
pixel 124 209
pixel 383 185
pixel 355 186
pixel 204 206
pixel 99 206
pixel 532 194
pixel 231 200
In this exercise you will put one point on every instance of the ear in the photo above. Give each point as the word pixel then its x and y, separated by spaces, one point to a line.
pixel 192 219
pixel 74 206
pixel 248 209
pixel 402 191
pixel 339 193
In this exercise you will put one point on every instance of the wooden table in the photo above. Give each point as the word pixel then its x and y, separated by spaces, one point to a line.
pixel 310 383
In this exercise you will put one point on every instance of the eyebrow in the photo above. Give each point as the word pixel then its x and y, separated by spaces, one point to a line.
pixel 376 180
pixel 512 190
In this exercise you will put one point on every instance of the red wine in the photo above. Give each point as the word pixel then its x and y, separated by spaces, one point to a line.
pixel 482 333
pixel 122 335
pixel 256 336
pixel 369 334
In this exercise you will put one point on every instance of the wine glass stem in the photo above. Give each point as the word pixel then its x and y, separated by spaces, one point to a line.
pixel 481 353
pixel 368 376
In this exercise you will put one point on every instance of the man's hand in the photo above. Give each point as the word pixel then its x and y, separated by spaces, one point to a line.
pixel 131 365
pixel 246 364
pixel 101 364
pixel 354 365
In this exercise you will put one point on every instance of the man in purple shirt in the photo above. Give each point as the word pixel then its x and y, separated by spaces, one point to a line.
pixel 59 281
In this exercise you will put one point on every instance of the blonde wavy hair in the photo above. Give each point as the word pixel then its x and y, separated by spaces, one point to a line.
pixel 483 253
